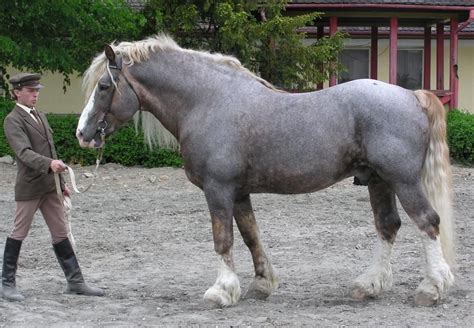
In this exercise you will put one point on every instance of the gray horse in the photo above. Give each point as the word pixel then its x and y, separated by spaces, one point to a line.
pixel 239 135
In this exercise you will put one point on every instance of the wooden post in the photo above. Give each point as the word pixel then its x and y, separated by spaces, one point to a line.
pixel 320 35
pixel 393 50
pixel 453 64
pixel 374 53
pixel 439 57
pixel 332 31
pixel 427 59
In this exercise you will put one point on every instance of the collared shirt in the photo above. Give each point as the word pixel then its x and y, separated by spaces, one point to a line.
pixel 28 110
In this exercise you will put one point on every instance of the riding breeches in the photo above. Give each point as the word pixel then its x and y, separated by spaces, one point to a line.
pixel 53 213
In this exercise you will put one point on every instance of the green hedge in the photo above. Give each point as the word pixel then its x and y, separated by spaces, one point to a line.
pixel 5 107
pixel 461 136
pixel 126 147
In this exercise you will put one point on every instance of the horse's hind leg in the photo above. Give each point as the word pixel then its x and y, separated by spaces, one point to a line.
pixel 265 281
pixel 438 276
pixel 226 289
pixel 379 275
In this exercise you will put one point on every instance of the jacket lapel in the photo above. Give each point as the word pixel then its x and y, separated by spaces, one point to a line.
pixel 27 117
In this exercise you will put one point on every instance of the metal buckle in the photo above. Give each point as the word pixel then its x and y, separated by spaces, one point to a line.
pixel 102 125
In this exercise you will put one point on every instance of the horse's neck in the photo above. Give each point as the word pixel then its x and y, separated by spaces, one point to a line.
pixel 174 85
pixel 159 96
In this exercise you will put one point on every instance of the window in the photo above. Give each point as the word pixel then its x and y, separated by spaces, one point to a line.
pixel 410 69
pixel 356 61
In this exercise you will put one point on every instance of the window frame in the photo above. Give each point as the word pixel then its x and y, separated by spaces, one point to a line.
pixel 422 51
pixel 367 50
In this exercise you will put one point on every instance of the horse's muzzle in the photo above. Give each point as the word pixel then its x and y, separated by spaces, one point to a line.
pixel 96 141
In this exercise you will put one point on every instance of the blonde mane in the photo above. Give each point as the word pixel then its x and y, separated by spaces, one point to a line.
pixel 138 51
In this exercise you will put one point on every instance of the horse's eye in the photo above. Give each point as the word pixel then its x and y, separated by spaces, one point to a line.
pixel 103 86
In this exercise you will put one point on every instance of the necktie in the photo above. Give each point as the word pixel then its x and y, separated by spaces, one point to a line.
pixel 35 114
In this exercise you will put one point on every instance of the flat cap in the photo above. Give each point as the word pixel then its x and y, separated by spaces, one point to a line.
pixel 26 80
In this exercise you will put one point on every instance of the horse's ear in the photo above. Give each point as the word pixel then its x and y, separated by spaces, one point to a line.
pixel 110 54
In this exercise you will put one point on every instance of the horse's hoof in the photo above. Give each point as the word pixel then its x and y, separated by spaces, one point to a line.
pixel 427 296
pixel 360 293
pixel 217 297
pixel 371 284
pixel 257 292
pixel 261 288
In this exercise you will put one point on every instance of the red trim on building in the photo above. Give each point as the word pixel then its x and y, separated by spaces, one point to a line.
pixel 453 64
pixel 393 50
pixel 439 57
pixel 332 31
pixel 374 52
pixel 427 59
pixel 320 35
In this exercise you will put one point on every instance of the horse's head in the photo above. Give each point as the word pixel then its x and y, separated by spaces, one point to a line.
pixel 111 104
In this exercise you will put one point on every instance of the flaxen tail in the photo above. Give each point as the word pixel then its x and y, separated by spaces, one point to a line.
pixel 436 172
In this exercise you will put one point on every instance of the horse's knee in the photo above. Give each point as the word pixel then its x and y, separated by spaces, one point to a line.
pixel 426 219
pixel 419 209
pixel 222 246
pixel 428 222
pixel 388 226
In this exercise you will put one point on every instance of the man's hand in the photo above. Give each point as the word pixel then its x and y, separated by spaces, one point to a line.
pixel 57 166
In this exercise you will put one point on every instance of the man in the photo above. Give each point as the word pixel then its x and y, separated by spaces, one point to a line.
pixel 30 137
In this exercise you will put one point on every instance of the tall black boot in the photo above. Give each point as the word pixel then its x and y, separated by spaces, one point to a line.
pixel 75 281
pixel 10 264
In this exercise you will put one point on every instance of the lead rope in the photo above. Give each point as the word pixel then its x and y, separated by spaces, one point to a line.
pixel 72 176
pixel 67 203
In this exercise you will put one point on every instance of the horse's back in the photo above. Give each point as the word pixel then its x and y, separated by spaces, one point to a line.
pixel 292 143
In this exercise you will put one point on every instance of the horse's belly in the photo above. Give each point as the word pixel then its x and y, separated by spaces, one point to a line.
pixel 290 182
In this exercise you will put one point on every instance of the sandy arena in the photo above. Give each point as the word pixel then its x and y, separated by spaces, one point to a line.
pixel 144 235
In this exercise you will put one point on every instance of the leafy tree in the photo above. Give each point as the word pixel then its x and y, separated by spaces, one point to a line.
pixel 256 32
pixel 61 35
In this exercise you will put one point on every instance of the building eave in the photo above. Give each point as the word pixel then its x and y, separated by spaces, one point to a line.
pixel 345 6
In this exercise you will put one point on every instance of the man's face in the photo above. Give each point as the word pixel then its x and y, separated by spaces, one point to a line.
pixel 27 96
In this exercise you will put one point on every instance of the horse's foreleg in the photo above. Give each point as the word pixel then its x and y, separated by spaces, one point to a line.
pixel 226 289
pixel 379 275
pixel 438 276
pixel 265 281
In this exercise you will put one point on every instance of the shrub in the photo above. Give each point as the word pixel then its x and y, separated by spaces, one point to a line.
pixel 67 147
pixel 125 147
pixel 461 136
pixel 5 107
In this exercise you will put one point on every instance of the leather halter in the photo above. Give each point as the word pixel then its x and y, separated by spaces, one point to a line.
pixel 102 124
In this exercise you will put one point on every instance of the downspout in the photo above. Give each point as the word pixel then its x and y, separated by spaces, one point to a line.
pixel 468 21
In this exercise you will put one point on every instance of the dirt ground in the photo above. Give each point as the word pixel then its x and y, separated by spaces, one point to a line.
pixel 144 235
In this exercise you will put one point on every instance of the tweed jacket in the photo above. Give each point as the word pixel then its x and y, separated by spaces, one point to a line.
pixel 34 150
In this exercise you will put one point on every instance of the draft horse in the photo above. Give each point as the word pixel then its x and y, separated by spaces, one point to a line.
pixel 239 135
